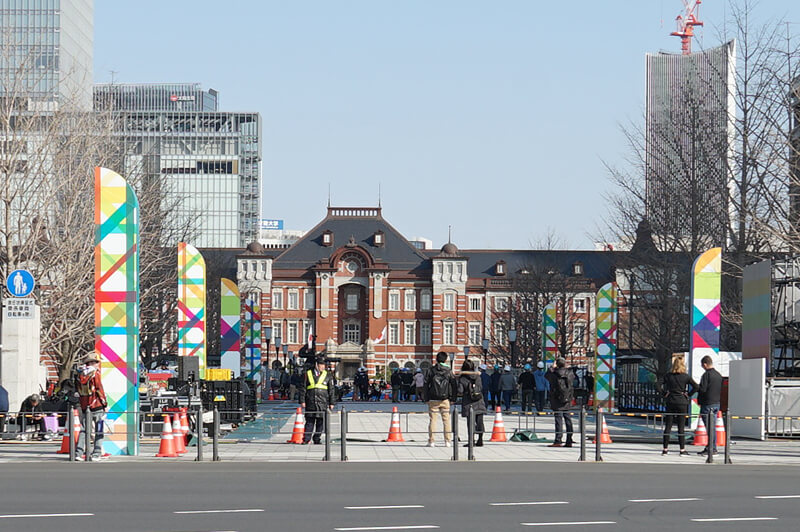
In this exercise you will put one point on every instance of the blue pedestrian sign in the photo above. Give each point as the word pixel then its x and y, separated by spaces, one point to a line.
pixel 20 283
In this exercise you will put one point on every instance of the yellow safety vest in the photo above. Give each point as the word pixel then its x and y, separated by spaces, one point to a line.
pixel 319 385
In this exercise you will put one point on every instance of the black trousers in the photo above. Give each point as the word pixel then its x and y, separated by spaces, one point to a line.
pixel 563 418
pixel 315 426
pixel 677 419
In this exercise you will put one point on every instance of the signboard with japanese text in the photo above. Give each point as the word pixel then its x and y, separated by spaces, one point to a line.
pixel 19 308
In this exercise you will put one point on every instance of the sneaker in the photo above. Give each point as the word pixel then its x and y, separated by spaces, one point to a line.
pixel 448 444
pixel 568 444
pixel 431 444
pixel 664 452
pixel 684 452
pixel 556 444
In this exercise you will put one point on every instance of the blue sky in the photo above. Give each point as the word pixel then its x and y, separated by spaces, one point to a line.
pixel 493 117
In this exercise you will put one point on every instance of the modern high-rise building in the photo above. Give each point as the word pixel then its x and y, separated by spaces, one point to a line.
pixel 208 162
pixel 689 129
pixel 46 52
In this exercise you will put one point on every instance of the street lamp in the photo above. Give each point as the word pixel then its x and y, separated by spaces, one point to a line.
pixel 267 340
pixel 285 352
pixel 512 339
pixel 485 346
pixel 466 352
pixel 277 352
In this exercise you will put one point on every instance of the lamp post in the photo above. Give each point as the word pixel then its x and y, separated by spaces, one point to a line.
pixel 466 352
pixel 277 351
pixel 485 346
pixel 512 339
pixel 285 352
pixel 267 340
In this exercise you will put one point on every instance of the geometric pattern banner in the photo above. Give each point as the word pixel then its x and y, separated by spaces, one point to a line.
pixel 706 290
pixel 116 306
pixel 252 346
pixel 192 304
pixel 230 326
pixel 549 346
pixel 606 349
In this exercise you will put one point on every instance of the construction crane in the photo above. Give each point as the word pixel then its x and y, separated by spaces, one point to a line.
pixel 686 24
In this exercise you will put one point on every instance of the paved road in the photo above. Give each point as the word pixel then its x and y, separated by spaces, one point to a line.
pixel 109 496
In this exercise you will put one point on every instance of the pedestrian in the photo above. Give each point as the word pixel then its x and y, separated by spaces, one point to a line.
pixel 495 386
pixel 486 383
pixel 507 386
pixel 589 378
pixel 709 396
pixel 295 382
pixel 92 398
pixel 419 385
pixel 31 414
pixel 561 393
pixel 406 381
pixel 527 385
pixel 440 389
pixel 470 389
pixel 361 383
pixel 677 386
pixel 542 387
pixel 396 382
pixel 316 396
pixel 285 382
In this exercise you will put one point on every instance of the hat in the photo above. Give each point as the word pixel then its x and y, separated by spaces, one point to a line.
pixel 497 366
pixel 91 358
pixel 482 366
pixel 540 365
pixel 319 359
pixel 507 368
pixel 419 370
pixel 527 366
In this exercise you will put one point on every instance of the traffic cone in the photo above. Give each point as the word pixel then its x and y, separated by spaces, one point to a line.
pixel 271 396
pixel 499 429
pixel 299 428
pixel 177 435
pixel 185 426
pixel 700 434
pixel 76 428
pixel 394 427
pixel 720 430
pixel 605 437
pixel 167 447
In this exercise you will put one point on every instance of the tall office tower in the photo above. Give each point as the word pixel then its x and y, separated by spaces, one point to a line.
pixel 46 52
pixel 208 162
pixel 689 129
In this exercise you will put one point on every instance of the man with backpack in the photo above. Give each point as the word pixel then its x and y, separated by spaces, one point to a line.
pixel 440 389
pixel 561 393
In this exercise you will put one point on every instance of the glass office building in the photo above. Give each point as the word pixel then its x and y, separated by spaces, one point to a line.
pixel 208 162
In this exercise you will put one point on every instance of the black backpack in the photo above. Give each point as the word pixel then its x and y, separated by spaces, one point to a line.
pixel 474 394
pixel 562 390
pixel 439 387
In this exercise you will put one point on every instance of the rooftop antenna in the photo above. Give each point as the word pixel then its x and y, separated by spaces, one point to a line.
pixel 379 194
pixel 449 234
pixel 329 195
pixel 686 25
pixel 113 75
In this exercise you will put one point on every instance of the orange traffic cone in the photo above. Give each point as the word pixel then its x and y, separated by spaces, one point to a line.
pixel 700 434
pixel 177 435
pixel 271 396
pixel 394 427
pixel 720 430
pixel 76 428
pixel 185 426
pixel 167 447
pixel 499 429
pixel 299 428
pixel 605 437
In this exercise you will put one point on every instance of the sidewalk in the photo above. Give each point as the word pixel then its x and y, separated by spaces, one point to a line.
pixel 369 425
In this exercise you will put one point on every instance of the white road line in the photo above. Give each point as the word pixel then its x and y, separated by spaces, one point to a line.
pixel 219 511
pixel 383 507
pixel 570 523
pixel 409 527
pixel 12 516
pixel 735 519
pixel 777 496
pixel 665 500
pixel 534 503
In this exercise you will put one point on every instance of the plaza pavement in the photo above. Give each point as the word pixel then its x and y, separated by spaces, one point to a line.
pixel 264 440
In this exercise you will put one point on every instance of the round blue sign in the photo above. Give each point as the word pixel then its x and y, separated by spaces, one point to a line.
pixel 20 283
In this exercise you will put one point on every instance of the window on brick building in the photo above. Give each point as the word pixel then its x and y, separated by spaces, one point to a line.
pixel 394 333
pixel 449 301
pixel 500 333
pixel 475 304
pixel 352 302
pixel 501 304
pixel 308 299
pixel 277 299
pixel 425 333
pixel 579 304
pixel 292 301
pixel 410 333
pixel 411 300
pixel 425 300
pixel 291 332
pixel 306 330
pixel 277 332
pixel 475 334
pixel 448 333
pixel 352 332
pixel 579 334
pixel 394 300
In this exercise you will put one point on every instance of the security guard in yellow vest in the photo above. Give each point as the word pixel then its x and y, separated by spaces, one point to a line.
pixel 316 394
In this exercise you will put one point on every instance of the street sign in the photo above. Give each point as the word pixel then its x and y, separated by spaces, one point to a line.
pixel 18 309
pixel 20 283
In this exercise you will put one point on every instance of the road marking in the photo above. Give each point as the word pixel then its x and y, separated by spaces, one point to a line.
pixel 11 516
pixel 535 503
pixel 777 496
pixel 409 527
pixel 665 500
pixel 219 511
pixel 383 507
pixel 569 523
pixel 708 520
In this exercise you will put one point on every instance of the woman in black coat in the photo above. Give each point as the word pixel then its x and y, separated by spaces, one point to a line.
pixel 677 386
pixel 471 392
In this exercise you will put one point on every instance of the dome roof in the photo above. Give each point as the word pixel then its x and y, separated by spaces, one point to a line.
pixel 449 249
pixel 256 248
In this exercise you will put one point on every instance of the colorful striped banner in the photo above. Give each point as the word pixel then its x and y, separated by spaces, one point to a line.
pixel 116 306
pixel 549 346
pixel 192 304
pixel 230 326
pixel 606 348
pixel 252 346
pixel 706 291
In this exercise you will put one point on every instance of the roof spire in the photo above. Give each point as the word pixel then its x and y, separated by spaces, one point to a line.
pixel 449 234
pixel 329 194
pixel 379 194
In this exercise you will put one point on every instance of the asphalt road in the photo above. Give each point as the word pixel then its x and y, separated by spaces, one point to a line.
pixel 320 497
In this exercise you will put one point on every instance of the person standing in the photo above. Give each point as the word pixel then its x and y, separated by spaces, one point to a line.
pixel 407 381
pixel 507 386
pixel 316 395
pixel 419 385
pixel 440 389
pixel 542 386
pixel 295 382
pixel 709 396
pixel 396 382
pixel 677 386
pixel 470 389
pixel 527 384
pixel 561 393
pixel 486 383
pixel 92 398
pixel 495 386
